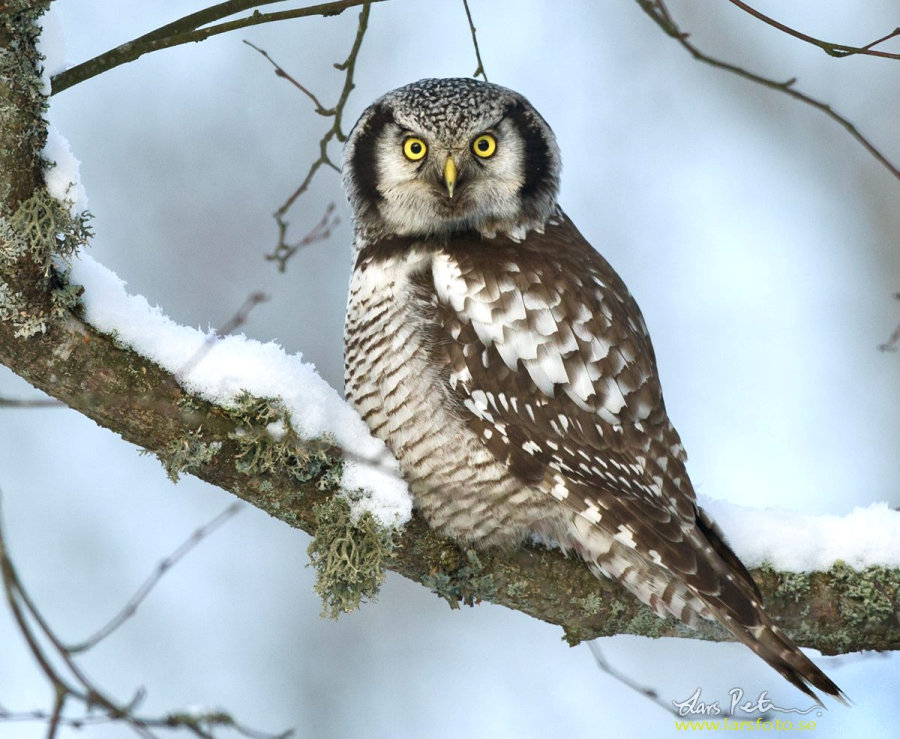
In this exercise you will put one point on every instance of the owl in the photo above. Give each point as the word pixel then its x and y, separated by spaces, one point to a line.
pixel 508 368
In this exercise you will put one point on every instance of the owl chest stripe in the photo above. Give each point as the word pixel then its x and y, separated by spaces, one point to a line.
pixel 389 376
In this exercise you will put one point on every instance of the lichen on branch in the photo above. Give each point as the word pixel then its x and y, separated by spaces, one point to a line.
pixel 350 555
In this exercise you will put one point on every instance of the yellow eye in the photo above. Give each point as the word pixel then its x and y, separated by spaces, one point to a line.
pixel 484 146
pixel 414 148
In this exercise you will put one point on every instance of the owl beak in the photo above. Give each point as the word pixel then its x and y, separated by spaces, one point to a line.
pixel 450 175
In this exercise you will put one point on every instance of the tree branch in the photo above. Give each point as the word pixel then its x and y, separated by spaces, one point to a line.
pixel 832 49
pixel 284 251
pixel 71 685
pixel 188 29
pixel 479 70
pixel 836 611
pixel 658 11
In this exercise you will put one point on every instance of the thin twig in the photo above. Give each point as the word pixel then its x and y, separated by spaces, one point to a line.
pixel 644 690
pixel 320 109
pixel 659 13
pixel 236 321
pixel 32 403
pixel 130 608
pixel 480 68
pixel 96 706
pixel 186 30
pixel 320 232
pixel 56 716
pixel 10 589
pixel 836 50
pixel 894 341
pixel 284 250
pixel 647 692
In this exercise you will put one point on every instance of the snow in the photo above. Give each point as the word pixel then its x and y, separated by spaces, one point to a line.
pixel 61 170
pixel 52 46
pixel 219 370
pixel 800 542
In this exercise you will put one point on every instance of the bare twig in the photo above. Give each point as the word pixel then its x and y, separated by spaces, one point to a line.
pixel 658 11
pixel 283 250
pixel 236 321
pixel 321 231
pixel 832 49
pixel 894 341
pixel 97 707
pixel 30 403
pixel 320 109
pixel 243 313
pixel 130 608
pixel 647 692
pixel 480 68
pixel 75 722
pixel 188 29
pixel 643 690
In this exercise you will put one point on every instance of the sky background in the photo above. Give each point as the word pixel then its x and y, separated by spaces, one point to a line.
pixel 759 239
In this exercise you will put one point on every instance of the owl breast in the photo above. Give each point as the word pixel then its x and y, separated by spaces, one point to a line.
pixel 458 485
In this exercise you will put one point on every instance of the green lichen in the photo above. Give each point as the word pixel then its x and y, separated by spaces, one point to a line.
pixel 793 586
pixel 647 623
pixel 48 228
pixel 350 556
pixel 616 609
pixel 42 232
pixel 517 589
pixel 591 604
pixel 38 239
pixel 267 443
pixel 187 454
pixel 839 609
pixel 869 596
pixel 467 584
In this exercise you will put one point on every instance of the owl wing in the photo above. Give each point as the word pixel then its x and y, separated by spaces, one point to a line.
pixel 544 354
pixel 547 357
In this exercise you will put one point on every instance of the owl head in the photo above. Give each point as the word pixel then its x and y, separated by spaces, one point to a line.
pixel 442 156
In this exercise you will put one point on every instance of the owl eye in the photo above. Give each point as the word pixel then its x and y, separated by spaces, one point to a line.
pixel 484 146
pixel 414 148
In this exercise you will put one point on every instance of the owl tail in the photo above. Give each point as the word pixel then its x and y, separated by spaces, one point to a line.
pixel 739 609
pixel 774 646
pixel 712 584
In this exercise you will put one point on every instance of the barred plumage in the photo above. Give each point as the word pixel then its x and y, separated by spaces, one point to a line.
pixel 508 368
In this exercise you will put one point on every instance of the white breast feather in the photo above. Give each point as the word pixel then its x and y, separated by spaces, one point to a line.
pixel 528 327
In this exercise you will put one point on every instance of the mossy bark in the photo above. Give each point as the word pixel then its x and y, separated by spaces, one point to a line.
pixel 836 611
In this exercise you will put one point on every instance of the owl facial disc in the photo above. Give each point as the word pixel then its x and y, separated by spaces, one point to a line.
pixel 445 156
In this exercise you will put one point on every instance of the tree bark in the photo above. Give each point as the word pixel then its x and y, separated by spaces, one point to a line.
pixel 836 611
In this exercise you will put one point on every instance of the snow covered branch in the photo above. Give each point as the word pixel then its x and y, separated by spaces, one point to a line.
pixel 128 377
